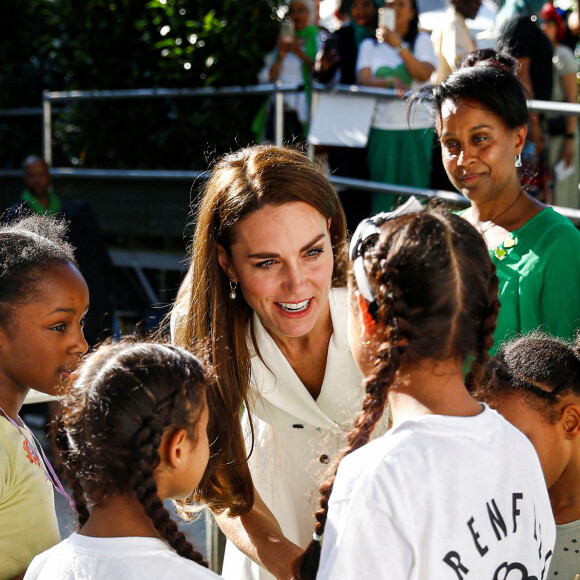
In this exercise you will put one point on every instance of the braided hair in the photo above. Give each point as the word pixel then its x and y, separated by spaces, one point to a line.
pixel 124 398
pixel 435 292
pixel 540 369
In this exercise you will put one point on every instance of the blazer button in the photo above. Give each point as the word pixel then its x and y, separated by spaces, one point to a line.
pixel 323 458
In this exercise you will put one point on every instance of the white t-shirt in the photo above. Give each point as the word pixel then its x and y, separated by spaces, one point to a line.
pixel 440 498
pixel 391 114
pixel 128 558
pixel 290 74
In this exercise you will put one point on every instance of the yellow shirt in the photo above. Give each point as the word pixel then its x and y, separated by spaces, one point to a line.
pixel 28 523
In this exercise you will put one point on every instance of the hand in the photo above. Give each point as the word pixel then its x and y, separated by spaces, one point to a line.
pixel 400 86
pixel 283 45
pixel 568 152
pixel 295 46
pixel 327 60
pixel 385 34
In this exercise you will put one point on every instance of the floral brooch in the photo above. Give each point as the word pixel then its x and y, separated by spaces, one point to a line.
pixel 504 248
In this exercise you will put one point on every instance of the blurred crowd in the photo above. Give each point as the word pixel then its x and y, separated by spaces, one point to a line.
pixel 383 45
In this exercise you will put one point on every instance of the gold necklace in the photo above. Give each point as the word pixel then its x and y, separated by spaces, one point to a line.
pixel 494 218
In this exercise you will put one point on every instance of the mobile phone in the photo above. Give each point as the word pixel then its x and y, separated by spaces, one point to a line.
pixel 387 17
pixel 287 29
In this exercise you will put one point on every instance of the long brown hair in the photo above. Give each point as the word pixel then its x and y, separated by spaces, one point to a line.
pixel 208 322
pixel 435 291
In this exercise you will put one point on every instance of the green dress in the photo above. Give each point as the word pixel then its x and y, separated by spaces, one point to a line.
pixel 538 266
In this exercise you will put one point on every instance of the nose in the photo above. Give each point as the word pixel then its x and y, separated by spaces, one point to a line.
pixel 294 277
pixel 80 344
pixel 466 155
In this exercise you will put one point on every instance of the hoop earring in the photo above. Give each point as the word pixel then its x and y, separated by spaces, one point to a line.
pixel 233 286
pixel 518 160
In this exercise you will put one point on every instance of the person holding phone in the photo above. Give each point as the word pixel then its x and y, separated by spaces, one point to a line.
pixel 400 57
pixel 291 62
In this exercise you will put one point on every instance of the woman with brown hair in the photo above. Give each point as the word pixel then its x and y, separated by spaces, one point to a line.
pixel 263 301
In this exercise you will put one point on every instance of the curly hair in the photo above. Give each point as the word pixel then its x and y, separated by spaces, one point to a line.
pixel 540 369
pixel 436 294
pixel 125 397
pixel 29 247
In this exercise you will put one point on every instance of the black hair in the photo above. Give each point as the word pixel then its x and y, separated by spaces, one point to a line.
pixel 539 368
pixel 487 77
pixel 413 30
pixel 124 397
pixel 436 293
pixel 29 247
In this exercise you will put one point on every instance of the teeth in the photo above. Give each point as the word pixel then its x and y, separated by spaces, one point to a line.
pixel 294 307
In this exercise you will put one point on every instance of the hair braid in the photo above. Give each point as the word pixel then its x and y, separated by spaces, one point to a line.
pixel 388 361
pixel 147 440
pixel 485 340
pixel 78 493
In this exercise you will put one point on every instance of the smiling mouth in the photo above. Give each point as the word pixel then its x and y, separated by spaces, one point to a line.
pixel 294 307
pixel 470 178
pixel 66 373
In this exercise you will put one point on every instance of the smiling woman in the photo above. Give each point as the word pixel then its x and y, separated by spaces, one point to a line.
pixel 262 297
pixel 481 116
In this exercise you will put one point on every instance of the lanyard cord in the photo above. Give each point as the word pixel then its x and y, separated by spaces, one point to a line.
pixel 42 459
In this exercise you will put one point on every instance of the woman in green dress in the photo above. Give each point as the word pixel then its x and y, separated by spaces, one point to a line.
pixel 481 116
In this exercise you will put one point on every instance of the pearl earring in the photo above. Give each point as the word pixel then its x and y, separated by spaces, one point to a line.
pixel 233 286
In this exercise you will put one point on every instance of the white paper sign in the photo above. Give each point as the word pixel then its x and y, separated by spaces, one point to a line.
pixel 342 120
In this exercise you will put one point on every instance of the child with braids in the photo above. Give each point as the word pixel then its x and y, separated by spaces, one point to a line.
pixel 43 302
pixel 133 433
pixel 534 382
pixel 452 491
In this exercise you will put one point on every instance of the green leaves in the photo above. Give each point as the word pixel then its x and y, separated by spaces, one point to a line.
pixel 126 44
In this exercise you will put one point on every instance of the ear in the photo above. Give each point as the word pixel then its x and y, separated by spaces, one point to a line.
pixel 368 324
pixel 225 262
pixel 520 134
pixel 571 421
pixel 177 445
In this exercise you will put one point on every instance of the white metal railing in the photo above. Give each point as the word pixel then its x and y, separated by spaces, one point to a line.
pixel 278 90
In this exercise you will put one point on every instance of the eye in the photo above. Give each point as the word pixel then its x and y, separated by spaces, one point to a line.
pixel 58 327
pixel 266 264
pixel 314 252
pixel 451 145
pixel 479 138
pixel 83 320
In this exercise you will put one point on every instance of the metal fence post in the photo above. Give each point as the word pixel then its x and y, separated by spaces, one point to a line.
pixel 279 116
pixel 313 106
pixel 47 129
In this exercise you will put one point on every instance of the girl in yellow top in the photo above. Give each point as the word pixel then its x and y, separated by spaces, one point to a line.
pixel 43 303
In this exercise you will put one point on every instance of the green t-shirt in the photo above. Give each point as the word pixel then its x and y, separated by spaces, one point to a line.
pixel 538 266
pixel 28 523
